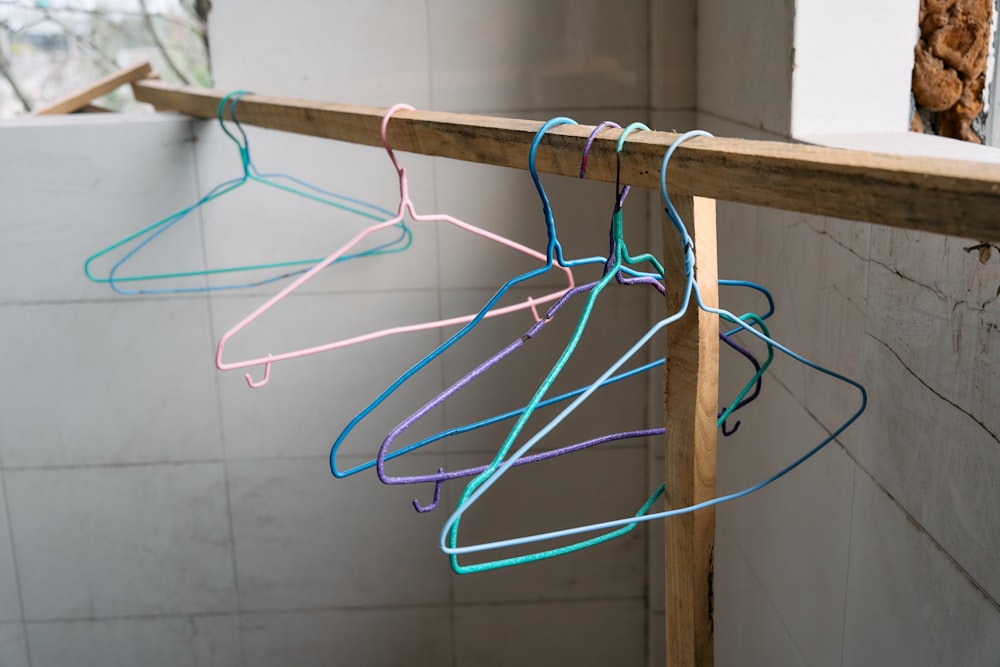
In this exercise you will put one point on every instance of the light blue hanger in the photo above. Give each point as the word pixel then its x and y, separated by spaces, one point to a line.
pixel 280 181
pixel 613 267
pixel 479 485
pixel 554 257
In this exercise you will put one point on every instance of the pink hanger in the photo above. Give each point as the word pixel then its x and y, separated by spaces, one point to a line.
pixel 405 205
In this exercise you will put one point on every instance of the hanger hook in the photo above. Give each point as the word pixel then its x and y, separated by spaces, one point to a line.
pixel 437 496
pixel 231 99
pixel 671 211
pixel 629 129
pixel 385 126
pixel 254 384
pixel 590 140
pixel 553 247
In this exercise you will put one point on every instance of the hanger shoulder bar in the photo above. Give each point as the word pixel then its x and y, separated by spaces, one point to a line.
pixel 945 196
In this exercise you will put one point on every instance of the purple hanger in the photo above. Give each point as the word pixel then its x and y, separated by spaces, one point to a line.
pixel 441 476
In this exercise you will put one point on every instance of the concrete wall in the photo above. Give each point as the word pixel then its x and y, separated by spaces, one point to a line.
pixel 881 550
pixel 158 511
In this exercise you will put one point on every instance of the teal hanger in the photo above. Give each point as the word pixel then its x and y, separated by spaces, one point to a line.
pixel 438 478
pixel 479 485
pixel 280 181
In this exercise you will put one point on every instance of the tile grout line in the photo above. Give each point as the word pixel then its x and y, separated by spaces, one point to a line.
pixel 452 630
pixel 217 385
pixel 326 609
pixel 912 519
pixel 775 135
pixel 760 584
pixel 847 575
pixel 13 555
pixel 246 459
pixel 777 614
pixel 244 296
pixel 854 468
pixel 650 459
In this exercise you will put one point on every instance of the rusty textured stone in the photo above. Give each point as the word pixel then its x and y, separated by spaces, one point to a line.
pixel 961 44
pixel 950 62
pixel 935 86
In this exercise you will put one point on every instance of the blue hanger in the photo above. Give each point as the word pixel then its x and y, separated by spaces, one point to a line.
pixel 284 269
pixel 441 476
pixel 554 257
pixel 480 484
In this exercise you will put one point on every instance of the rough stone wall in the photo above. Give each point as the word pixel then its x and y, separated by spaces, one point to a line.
pixel 949 71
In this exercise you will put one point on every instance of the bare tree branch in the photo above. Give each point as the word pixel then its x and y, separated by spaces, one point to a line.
pixel 30 5
pixel 148 20
pixel 110 62
pixel 8 74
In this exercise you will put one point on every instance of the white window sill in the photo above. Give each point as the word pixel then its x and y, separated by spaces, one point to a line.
pixel 907 143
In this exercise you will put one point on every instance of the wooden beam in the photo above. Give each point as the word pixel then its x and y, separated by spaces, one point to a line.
pixel 945 196
pixel 692 398
pixel 83 97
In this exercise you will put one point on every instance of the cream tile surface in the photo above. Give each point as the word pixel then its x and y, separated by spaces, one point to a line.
pixel 113 177
pixel 943 340
pixel 537 56
pixel 306 540
pixel 656 640
pixel 936 461
pixel 326 52
pixel 418 636
pixel 198 641
pixel 907 603
pixel 784 251
pixel 13 645
pixel 671 120
pixel 744 62
pixel 573 490
pixel 10 595
pixel 748 630
pixel 309 402
pixel 940 263
pixel 604 632
pixel 796 532
pixel 100 383
pixel 674 51
pixel 134 540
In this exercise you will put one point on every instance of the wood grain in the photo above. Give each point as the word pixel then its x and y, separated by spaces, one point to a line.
pixel 692 398
pixel 944 196
pixel 83 97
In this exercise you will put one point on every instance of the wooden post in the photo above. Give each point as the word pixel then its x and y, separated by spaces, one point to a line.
pixel 692 398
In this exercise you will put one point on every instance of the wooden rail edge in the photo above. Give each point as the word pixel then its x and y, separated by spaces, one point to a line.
pixel 944 196
pixel 80 100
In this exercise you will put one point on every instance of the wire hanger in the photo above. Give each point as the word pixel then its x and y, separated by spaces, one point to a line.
pixel 250 174
pixel 554 260
pixel 406 206
pixel 441 476
pixel 480 484
pixel 618 257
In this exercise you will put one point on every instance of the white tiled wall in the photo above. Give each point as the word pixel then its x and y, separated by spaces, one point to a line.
pixel 882 549
pixel 161 512
pixel 157 511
